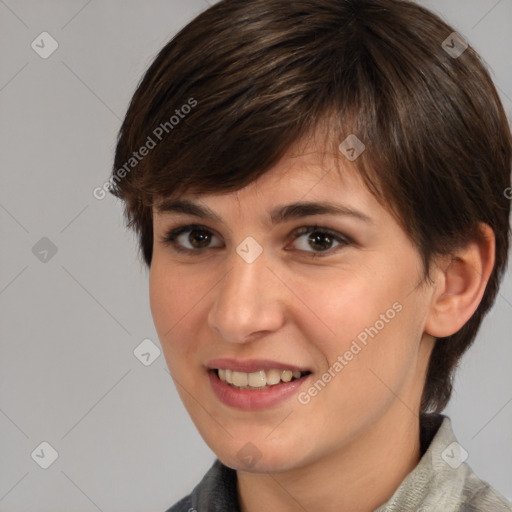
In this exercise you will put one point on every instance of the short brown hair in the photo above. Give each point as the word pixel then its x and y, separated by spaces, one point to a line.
pixel 258 75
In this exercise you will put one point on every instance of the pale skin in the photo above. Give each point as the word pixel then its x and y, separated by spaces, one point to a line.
pixel 352 445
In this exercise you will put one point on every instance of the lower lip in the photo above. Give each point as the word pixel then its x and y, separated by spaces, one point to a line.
pixel 253 400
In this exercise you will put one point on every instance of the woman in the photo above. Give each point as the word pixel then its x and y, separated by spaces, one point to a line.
pixel 319 189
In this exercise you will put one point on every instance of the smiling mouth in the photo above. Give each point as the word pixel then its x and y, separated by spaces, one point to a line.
pixel 259 380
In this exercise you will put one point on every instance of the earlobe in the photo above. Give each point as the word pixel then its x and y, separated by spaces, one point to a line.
pixel 460 285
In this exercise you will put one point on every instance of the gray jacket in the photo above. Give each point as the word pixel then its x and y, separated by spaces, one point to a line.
pixel 441 482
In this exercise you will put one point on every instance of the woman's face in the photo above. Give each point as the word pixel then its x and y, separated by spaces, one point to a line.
pixel 266 289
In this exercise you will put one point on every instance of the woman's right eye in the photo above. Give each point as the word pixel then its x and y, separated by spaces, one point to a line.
pixel 198 237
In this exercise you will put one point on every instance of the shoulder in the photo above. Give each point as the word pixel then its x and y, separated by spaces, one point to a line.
pixel 443 481
pixel 217 492
pixel 456 481
pixel 481 496
pixel 460 482
pixel 184 505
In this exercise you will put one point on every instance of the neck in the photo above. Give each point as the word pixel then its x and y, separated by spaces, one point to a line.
pixel 359 477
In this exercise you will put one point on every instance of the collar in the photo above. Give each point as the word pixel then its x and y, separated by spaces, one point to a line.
pixel 440 481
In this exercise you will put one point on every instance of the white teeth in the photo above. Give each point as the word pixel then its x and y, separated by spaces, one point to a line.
pixel 273 377
pixel 286 376
pixel 239 379
pixel 257 380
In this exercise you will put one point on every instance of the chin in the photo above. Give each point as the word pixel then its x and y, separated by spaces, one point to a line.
pixel 263 463
pixel 257 456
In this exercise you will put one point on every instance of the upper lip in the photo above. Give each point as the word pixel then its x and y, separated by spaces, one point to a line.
pixel 251 365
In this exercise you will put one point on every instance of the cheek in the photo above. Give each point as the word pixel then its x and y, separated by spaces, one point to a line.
pixel 172 300
pixel 160 302
pixel 376 350
pixel 371 320
pixel 352 306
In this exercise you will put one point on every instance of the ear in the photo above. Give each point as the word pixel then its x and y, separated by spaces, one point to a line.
pixel 460 281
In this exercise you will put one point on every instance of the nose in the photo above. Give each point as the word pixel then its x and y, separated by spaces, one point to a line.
pixel 248 301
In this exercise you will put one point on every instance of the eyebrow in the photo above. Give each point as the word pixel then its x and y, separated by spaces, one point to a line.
pixel 279 214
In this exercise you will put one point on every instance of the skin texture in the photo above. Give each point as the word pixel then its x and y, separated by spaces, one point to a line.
pixel 351 446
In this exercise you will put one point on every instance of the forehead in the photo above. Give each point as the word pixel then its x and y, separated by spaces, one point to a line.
pixel 318 169
pixel 314 167
pixel 299 185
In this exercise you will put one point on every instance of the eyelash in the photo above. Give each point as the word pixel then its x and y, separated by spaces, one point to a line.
pixel 343 240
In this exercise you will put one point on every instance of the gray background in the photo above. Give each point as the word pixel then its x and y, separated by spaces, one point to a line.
pixel 69 325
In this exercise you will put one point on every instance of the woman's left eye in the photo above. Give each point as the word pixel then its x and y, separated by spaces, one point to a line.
pixel 199 238
pixel 320 238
